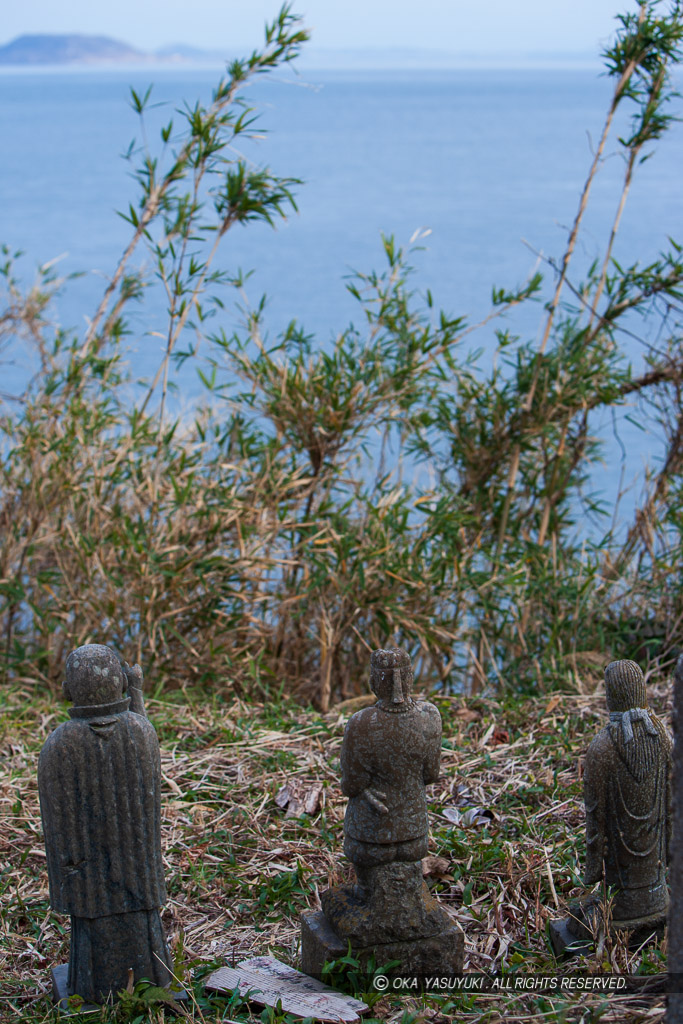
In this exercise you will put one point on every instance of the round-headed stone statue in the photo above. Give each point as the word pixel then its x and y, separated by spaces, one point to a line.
pixel 390 753
pixel 627 793
pixel 99 778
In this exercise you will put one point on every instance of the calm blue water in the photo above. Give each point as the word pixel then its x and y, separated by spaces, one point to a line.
pixel 483 158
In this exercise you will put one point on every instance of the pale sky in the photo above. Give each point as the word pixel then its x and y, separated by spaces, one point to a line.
pixel 481 26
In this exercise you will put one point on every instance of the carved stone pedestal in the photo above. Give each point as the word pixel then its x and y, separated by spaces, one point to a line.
pixel 441 953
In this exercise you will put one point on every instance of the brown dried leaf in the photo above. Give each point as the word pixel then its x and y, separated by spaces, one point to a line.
pixel 313 798
pixel 552 704
pixel 467 714
pixel 299 797
pixel 437 867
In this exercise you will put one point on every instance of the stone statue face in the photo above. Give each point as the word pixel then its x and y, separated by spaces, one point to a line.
pixel 391 686
pixel 391 678
pixel 93 676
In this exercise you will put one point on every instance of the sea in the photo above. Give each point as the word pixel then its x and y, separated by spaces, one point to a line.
pixel 486 165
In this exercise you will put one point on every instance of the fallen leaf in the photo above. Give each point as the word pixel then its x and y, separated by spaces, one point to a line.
pixel 477 816
pixel 452 814
pixel 299 797
pixel 313 798
pixel 467 714
pixel 499 737
pixel 487 736
pixel 434 866
pixel 468 818
pixel 283 795
pixel 552 704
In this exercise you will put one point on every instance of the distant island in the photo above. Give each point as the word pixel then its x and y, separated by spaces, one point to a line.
pixel 67 49
pixel 81 49
pixel 36 50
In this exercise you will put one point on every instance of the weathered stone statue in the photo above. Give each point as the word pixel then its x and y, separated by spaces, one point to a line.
pixel 390 752
pixel 99 780
pixel 627 793
pixel 674 1013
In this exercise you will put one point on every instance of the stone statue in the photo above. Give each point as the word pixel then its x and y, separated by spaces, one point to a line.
pixel 674 1011
pixel 99 778
pixel 390 752
pixel 627 793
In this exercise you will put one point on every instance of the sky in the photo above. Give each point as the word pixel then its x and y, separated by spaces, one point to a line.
pixel 492 26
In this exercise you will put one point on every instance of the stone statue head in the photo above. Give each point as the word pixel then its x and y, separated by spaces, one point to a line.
pixel 624 686
pixel 93 676
pixel 391 678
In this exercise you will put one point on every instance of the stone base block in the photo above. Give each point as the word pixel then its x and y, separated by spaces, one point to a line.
pixel 60 993
pixel 438 954
pixel 566 942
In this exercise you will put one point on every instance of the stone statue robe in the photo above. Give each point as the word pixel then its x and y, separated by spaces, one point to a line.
pixel 396 753
pixel 99 781
pixel 627 821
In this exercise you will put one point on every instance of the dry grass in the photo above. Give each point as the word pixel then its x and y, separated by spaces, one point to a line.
pixel 239 871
